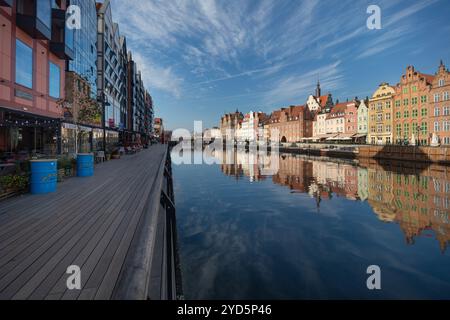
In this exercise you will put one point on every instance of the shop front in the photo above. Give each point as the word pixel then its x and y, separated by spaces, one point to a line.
pixel 76 139
pixel 24 135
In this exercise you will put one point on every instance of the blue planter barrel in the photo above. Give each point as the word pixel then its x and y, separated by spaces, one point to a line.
pixel 85 165
pixel 43 176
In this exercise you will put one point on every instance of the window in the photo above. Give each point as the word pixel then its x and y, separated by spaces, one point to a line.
pixel 441 82
pixel 436 111
pixel 446 140
pixel 414 113
pixel 446 125
pixel 24 64
pixel 414 127
pixel 398 115
pixel 54 81
pixel 388 104
pixel 423 99
pixel 44 12
pixel 446 111
pixel 405 90
pixel 379 117
pixel 445 96
pixel 436 126
pixel 414 100
pixel 397 103
pixel 424 128
pixel 406 129
pixel 414 89
pixel 379 128
pixel 398 128
pixel 424 112
pixel 406 114
pixel 436 97
pixel 388 128
pixel 388 116
pixel 405 102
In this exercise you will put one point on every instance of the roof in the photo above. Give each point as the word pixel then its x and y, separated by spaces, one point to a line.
pixel 322 100
pixel 428 77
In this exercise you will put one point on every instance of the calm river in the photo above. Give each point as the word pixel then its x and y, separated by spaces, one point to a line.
pixel 310 229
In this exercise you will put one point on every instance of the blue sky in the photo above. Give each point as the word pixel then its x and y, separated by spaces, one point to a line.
pixel 202 58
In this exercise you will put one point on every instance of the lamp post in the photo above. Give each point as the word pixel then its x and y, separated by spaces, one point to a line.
pixel 105 103
pixel 419 128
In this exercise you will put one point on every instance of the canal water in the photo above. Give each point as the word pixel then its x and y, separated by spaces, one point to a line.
pixel 311 228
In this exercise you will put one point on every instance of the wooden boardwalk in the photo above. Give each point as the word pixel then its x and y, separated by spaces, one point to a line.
pixel 106 225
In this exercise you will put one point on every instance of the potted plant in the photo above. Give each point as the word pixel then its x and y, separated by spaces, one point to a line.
pixel 61 169
pixel 14 183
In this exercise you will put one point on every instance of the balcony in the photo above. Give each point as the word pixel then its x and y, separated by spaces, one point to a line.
pixel 61 43
pixel 34 17
pixel 7 3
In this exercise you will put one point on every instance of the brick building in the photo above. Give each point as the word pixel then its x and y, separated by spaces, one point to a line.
pixel 411 98
pixel 439 106
pixel 293 123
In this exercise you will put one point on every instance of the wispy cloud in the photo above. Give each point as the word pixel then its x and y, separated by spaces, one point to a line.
pixel 157 77
pixel 294 87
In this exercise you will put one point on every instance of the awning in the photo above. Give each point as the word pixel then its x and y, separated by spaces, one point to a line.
pixel 359 135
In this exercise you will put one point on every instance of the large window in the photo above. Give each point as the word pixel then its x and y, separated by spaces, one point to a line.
pixel 54 81
pixel 44 12
pixel 24 64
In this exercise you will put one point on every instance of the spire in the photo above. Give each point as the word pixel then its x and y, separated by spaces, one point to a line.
pixel 318 89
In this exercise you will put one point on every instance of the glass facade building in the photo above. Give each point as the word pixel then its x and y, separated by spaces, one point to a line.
pixel 85 44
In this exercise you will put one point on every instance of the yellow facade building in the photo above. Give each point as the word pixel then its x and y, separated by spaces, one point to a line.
pixel 380 115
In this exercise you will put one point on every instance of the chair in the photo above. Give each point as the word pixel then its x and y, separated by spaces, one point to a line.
pixel 100 156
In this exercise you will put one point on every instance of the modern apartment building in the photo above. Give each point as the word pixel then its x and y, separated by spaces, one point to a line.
pixel 112 57
pixel 380 115
pixel 439 107
pixel 34 48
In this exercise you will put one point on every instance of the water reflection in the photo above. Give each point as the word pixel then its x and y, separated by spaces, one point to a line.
pixel 311 229
pixel 418 201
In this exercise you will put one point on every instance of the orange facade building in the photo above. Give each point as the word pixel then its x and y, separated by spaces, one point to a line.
pixel 410 111
pixel 439 107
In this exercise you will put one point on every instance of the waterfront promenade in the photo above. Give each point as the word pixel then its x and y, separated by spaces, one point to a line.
pixel 106 224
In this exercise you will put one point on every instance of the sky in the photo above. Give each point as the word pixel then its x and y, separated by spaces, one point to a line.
pixel 203 58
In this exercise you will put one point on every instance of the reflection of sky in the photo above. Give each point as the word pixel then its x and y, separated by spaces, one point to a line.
pixel 242 239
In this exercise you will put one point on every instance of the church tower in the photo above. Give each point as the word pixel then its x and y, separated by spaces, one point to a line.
pixel 318 92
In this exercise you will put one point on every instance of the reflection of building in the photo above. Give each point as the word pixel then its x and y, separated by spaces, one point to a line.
pixel 295 173
pixel 439 111
pixel 411 107
pixel 363 184
pixel 416 202
pixel 380 118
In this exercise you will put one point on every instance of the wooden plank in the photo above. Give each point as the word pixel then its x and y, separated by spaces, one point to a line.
pixel 94 229
pixel 88 252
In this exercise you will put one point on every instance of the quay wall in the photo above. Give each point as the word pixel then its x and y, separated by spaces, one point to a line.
pixel 438 155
